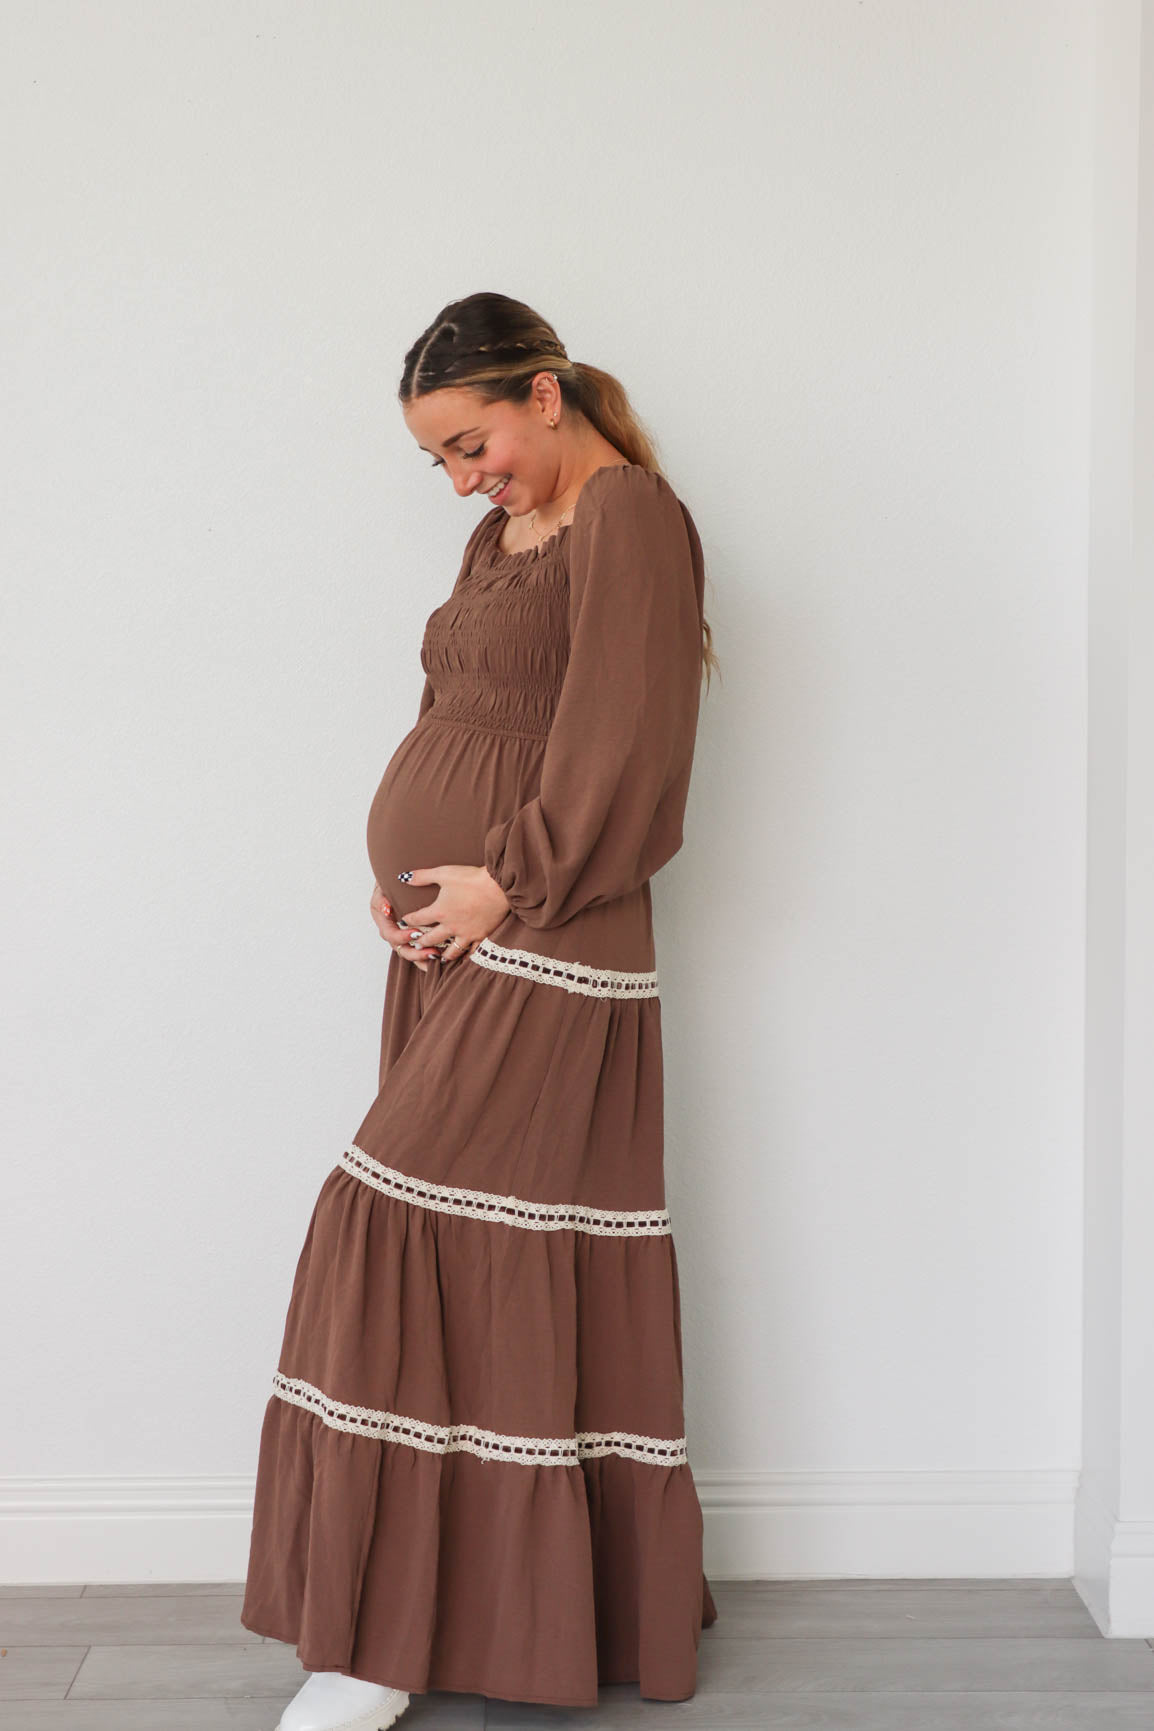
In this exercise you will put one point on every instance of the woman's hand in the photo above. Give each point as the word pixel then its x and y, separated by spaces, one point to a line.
pixel 396 935
pixel 471 904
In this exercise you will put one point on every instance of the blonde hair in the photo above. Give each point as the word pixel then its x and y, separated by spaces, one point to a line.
pixel 496 346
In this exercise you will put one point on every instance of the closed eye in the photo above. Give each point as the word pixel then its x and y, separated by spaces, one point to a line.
pixel 439 462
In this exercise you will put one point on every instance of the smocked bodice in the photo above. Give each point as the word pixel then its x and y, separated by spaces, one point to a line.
pixel 555 732
pixel 496 651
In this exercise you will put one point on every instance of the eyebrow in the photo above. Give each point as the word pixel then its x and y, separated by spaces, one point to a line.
pixel 453 440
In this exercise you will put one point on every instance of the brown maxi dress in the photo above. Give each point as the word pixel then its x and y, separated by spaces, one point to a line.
pixel 472 1471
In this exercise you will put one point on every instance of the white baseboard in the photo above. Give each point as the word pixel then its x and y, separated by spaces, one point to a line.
pixel 888 1525
pixel 1115 1566
pixel 758 1526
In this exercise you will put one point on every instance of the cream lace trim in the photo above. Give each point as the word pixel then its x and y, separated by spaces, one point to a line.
pixel 533 1451
pixel 512 1210
pixel 573 976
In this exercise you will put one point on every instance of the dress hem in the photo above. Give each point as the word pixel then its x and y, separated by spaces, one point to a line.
pixel 489 1694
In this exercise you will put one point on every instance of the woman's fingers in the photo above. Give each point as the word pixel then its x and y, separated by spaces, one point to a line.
pixel 379 908
pixel 400 937
pixel 446 945
pixel 415 942
pixel 410 952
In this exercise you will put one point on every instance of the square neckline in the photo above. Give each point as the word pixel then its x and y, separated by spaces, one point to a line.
pixel 497 554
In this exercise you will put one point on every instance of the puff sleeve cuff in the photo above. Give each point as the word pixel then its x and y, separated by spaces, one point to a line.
pixel 616 766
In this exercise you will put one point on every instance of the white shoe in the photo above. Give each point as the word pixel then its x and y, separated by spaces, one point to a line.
pixel 330 1701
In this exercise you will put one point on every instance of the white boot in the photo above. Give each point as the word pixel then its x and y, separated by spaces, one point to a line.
pixel 330 1701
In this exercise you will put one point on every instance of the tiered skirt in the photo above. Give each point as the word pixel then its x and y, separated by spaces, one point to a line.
pixel 472 1471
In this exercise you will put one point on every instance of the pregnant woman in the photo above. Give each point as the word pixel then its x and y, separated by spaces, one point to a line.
pixel 472 1472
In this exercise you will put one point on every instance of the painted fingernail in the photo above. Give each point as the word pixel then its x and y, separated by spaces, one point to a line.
pixel 404 877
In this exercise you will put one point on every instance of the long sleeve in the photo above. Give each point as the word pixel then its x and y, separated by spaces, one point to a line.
pixel 616 767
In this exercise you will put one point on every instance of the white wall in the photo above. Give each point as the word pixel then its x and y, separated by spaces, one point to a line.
pixel 1115 1508
pixel 840 256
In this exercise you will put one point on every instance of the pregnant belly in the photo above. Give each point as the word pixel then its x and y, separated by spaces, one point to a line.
pixel 443 789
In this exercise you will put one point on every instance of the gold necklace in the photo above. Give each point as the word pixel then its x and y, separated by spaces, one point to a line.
pixel 556 526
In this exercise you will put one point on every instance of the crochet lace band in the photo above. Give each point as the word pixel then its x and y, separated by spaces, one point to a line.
pixel 572 976
pixel 534 1451
pixel 511 1210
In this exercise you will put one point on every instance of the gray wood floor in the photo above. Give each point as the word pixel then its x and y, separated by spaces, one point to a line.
pixel 802 1655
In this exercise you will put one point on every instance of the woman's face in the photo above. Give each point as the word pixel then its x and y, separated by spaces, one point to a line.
pixel 480 443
